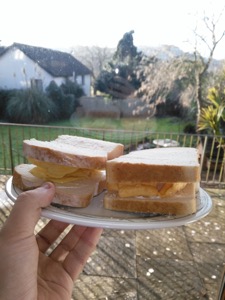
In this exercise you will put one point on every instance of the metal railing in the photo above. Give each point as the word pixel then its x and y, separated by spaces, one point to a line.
pixel 210 152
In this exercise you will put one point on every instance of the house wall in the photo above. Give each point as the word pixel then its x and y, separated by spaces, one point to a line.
pixel 85 83
pixel 17 70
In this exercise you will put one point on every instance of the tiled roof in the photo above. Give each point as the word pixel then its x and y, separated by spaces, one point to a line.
pixel 57 63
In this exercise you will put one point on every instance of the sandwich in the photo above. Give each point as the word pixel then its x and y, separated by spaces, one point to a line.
pixel 76 166
pixel 160 180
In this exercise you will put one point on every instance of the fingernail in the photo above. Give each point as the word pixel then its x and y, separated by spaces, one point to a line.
pixel 46 186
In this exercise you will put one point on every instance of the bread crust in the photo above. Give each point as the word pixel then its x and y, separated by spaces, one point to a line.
pixel 146 206
pixel 183 203
pixel 64 155
pixel 143 173
pixel 23 179
pixel 73 151
pixel 112 149
pixel 155 165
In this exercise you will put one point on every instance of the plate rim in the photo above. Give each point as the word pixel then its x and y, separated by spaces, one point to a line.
pixel 62 215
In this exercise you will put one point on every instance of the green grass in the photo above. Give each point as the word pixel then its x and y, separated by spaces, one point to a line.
pixel 174 125
pixel 125 130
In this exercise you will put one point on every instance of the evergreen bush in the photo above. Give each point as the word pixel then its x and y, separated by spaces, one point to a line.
pixel 4 98
pixel 65 97
pixel 72 88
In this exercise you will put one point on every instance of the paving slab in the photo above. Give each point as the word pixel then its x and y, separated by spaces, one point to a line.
pixel 168 243
pixel 174 263
pixel 114 257
pixel 209 259
pixel 169 279
pixel 98 287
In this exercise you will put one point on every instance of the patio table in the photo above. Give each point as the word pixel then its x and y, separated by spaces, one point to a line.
pixel 165 143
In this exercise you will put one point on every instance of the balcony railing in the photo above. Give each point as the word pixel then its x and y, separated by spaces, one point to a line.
pixel 210 152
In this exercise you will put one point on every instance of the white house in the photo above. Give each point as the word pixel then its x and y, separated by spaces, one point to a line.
pixel 23 66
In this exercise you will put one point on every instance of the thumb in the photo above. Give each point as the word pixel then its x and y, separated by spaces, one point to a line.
pixel 27 210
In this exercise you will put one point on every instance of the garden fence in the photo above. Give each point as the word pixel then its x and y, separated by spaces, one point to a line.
pixel 210 152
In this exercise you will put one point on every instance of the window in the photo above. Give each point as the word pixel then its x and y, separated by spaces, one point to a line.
pixel 83 80
pixel 36 84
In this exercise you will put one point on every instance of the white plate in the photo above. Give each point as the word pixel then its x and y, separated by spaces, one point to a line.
pixel 96 216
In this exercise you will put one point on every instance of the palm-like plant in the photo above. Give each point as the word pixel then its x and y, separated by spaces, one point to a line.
pixel 212 117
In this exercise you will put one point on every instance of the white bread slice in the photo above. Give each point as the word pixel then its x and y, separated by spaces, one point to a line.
pixel 23 179
pixel 183 203
pixel 112 149
pixel 66 155
pixel 73 151
pixel 155 165
pixel 77 193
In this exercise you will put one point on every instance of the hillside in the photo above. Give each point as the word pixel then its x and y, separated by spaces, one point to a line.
pixel 166 52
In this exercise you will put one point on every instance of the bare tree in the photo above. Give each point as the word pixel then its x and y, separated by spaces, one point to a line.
pixel 191 72
pixel 93 57
pixel 202 64
pixel 162 78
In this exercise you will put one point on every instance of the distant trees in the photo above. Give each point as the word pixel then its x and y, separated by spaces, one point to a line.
pixel 171 86
pixel 93 57
pixel 174 86
pixel 118 77
pixel 167 85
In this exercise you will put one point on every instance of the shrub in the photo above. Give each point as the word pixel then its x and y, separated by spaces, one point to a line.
pixel 190 128
pixel 4 98
pixel 65 97
pixel 69 106
pixel 55 93
pixel 72 88
pixel 30 107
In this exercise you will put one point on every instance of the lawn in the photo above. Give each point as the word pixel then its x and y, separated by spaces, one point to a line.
pixel 124 130
pixel 174 125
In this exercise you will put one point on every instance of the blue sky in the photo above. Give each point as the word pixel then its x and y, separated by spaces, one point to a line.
pixel 68 23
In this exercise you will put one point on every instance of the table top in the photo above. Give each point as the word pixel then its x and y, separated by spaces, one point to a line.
pixel 166 143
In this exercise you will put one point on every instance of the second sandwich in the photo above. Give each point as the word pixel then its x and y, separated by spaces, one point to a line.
pixel 161 180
